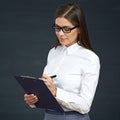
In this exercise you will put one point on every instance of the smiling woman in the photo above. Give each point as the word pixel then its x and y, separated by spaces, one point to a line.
pixel 69 33
pixel 75 65
pixel 73 16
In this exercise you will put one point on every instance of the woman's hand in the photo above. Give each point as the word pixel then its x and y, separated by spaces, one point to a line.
pixel 49 83
pixel 30 99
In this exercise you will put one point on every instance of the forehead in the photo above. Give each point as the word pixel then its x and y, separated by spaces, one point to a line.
pixel 61 21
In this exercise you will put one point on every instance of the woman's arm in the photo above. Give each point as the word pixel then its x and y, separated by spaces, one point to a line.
pixel 81 102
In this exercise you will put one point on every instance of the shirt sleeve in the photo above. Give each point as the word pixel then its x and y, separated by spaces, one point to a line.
pixel 49 57
pixel 82 102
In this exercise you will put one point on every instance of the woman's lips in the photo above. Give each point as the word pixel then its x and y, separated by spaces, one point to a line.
pixel 62 39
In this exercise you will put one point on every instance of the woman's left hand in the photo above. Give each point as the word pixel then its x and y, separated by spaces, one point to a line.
pixel 49 83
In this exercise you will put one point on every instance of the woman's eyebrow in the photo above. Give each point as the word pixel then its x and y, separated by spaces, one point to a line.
pixel 61 26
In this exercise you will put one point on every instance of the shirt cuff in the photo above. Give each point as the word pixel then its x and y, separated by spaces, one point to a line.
pixel 32 106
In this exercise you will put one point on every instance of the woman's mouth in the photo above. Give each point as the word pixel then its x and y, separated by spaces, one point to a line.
pixel 62 39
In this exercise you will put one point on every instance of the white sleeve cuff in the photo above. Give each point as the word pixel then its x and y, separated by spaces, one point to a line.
pixel 32 106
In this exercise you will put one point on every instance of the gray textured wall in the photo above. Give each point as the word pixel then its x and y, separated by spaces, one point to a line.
pixel 26 37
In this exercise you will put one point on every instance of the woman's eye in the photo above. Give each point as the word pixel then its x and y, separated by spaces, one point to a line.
pixel 67 29
pixel 57 28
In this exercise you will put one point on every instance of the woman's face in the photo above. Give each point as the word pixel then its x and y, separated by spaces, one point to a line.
pixel 66 39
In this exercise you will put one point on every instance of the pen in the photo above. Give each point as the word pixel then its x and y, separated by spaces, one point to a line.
pixel 53 76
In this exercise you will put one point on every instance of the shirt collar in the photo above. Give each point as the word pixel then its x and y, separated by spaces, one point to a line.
pixel 69 50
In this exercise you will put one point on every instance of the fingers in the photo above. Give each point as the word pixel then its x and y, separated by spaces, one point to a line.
pixel 45 76
pixel 30 99
pixel 47 80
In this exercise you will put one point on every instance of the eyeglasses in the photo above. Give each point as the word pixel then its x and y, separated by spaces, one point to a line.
pixel 65 29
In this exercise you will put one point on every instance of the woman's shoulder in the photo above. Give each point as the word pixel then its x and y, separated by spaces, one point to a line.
pixel 90 55
pixel 55 49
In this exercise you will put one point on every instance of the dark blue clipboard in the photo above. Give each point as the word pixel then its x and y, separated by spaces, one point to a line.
pixel 32 85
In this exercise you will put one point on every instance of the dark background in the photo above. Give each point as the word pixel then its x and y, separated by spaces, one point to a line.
pixel 26 37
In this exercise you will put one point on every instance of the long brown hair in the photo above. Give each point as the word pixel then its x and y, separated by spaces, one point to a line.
pixel 74 14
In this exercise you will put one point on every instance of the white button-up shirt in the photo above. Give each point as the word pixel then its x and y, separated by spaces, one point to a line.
pixel 77 71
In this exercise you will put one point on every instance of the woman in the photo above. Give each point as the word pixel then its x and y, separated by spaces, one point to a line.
pixel 75 64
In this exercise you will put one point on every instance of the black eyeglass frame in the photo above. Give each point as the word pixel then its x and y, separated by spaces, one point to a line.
pixel 63 28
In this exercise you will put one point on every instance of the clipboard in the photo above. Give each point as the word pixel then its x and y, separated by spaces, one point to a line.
pixel 32 85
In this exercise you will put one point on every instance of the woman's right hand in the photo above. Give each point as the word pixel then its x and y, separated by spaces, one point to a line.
pixel 30 99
